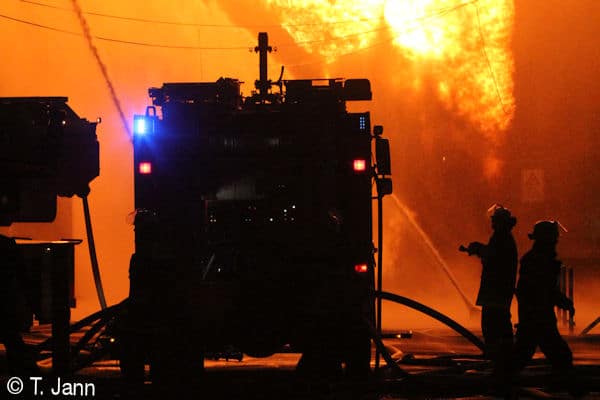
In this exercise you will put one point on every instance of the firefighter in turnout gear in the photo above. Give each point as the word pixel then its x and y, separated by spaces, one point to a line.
pixel 537 294
pixel 499 260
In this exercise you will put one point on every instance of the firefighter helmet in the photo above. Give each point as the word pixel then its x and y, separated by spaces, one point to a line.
pixel 545 231
pixel 502 215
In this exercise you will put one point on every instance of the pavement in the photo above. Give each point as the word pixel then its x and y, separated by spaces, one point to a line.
pixel 440 364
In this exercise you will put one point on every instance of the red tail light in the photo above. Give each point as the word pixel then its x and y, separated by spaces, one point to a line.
pixel 361 268
pixel 145 168
pixel 359 165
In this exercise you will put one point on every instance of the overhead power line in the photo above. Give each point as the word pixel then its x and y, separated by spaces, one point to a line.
pixel 187 47
pixel 184 47
pixel 130 42
pixel 194 24
pixel 420 19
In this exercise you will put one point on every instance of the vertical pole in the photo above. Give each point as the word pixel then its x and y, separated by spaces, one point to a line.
pixel 379 271
pixel 263 49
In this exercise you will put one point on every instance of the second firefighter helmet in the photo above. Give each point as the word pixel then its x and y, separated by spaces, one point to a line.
pixel 546 231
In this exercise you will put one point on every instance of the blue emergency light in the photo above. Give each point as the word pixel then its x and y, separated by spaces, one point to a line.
pixel 142 125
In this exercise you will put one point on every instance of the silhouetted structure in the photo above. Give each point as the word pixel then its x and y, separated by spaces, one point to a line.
pixel 538 293
pixel 20 360
pixel 499 260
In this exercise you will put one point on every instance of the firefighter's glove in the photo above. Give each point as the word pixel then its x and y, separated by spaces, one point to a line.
pixel 475 248
pixel 566 304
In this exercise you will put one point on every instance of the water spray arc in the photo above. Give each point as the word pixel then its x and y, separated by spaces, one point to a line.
pixel 430 246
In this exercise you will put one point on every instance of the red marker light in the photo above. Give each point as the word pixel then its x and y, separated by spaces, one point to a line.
pixel 359 165
pixel 361 268
pixel 145 168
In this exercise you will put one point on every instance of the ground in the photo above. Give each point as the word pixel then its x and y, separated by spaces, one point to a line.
pixel 440 363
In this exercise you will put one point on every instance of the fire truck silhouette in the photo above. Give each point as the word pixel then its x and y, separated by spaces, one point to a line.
pixel 254 224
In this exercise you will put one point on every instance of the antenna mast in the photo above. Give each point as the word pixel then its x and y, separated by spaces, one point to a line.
pixel 263 84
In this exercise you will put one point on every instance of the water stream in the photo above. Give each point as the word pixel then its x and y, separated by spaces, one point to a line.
pixel 434 251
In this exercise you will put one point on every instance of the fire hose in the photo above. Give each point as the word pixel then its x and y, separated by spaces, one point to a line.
pixel 92 250
pixel 432 313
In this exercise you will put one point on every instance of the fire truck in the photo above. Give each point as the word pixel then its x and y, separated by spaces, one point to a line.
pixel 253 227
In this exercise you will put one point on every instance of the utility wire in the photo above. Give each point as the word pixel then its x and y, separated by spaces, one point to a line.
pixel 192 24
pixel 130 42
pixel 184 47
pixel 39 25
pixel 422 18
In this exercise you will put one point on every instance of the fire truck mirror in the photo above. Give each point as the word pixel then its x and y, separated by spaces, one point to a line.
pixel 382 153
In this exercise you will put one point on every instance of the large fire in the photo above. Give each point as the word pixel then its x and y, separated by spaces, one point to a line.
pixel 465 44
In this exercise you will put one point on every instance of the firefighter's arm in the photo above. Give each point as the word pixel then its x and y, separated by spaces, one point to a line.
pixel 476 248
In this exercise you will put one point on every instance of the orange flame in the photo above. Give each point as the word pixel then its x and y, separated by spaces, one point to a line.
pixel 465 44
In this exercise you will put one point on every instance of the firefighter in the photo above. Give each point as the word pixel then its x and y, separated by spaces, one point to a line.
pixel 537 295
pixel 20 359
pixel 499 261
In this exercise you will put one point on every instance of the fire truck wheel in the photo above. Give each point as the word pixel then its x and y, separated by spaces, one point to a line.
pixel 130 350
pixel 174 364
pixel 358 358
pixel 315 366
pixel 130 356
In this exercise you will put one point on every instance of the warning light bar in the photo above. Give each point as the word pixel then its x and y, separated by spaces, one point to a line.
pixel 145 168
pixel 361 268
pixel 359 165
